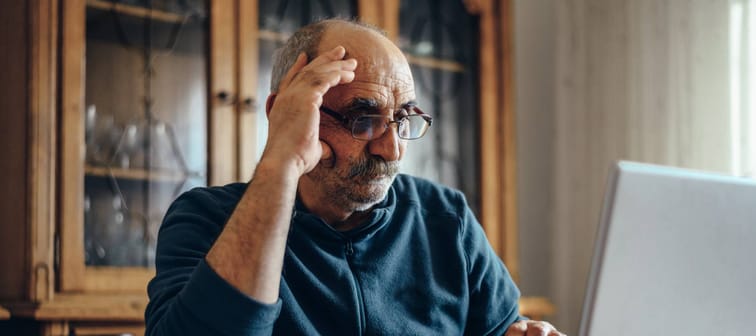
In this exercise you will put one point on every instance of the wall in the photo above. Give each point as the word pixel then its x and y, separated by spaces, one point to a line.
pixel 534 40
pixel 597 81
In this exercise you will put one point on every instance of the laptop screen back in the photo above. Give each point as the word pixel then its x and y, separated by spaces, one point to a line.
pixel 675 255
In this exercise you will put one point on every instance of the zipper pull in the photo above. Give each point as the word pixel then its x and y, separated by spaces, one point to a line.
pixel 349 250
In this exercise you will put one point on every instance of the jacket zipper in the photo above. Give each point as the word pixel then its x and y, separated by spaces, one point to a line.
pixel 360 302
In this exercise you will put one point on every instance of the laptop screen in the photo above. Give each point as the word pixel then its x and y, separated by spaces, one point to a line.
pixel 675 255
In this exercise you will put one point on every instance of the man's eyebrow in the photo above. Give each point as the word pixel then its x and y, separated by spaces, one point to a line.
pixel 409 104
pixel 362 106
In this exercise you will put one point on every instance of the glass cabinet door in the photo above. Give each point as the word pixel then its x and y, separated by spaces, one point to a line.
pixel 145 122
pixel 440 40
pixel 143 133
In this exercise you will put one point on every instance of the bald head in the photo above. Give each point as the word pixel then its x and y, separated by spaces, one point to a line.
pixel 308 40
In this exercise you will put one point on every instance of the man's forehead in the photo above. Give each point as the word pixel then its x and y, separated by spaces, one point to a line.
pixel 386 90
pixel 372 50
pixel 382 74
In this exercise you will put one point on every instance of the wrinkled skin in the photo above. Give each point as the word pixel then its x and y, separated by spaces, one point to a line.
pixel 382 75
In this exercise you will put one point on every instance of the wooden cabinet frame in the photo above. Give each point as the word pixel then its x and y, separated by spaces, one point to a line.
pixel 49 281
pixel 223 139
pixel 29 127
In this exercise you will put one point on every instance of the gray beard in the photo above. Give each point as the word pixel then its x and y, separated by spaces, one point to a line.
pixel 359 187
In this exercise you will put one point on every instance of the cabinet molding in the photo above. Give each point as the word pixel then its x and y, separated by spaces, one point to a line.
pixel 246 78
pixel 14 166
pixel 222 133
pixel 71 196
pixel 42 139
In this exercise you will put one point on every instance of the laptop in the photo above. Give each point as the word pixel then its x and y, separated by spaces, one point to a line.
pixel 675 254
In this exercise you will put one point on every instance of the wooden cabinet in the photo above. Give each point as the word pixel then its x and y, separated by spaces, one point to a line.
pixel 112 108
pixel 125 104
pixel 138 112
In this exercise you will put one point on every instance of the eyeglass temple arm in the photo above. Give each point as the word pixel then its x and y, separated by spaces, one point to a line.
pixel 422 113
pixel 334 114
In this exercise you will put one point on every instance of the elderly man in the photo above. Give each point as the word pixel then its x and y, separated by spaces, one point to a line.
pixel 326 238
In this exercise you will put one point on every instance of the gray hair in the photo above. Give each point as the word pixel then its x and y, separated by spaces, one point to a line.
pixel 307 40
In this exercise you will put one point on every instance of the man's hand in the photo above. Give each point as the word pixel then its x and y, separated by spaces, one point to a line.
pixel 532 328
pixel 249 252
pixel 294 118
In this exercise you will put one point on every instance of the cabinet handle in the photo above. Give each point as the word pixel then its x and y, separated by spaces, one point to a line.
pixel 226 98
pixel 249 104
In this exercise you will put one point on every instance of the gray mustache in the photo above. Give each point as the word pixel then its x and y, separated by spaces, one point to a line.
pixel 373 166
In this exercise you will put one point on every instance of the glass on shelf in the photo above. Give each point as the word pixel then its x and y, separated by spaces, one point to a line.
pixel 101 135
pixel 127 154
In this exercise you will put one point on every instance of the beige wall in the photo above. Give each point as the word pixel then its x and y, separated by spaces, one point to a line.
pixel 534 84
pixel 597 81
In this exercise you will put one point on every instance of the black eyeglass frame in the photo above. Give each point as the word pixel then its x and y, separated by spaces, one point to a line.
pixel 348 121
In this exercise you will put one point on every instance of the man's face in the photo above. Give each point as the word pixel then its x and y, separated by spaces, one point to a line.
pixel 362 171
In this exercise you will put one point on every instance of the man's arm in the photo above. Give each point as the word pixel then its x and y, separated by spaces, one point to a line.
pixel 247 256
pixel 494 297
pixel 493 294
pixel 249 253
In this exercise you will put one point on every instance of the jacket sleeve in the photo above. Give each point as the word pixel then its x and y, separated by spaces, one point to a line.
pixel 187 297
pixel 493 294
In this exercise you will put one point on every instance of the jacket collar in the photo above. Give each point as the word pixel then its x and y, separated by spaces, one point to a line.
pixel 303 220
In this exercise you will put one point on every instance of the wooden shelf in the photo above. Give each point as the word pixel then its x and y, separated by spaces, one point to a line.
pixel 139 174
pixel 273 36
pixel 130 307
pixel 85 307
pixel 136 11
pixel 435 63
pixel 536 307
pixel 127 279
pixel 423 61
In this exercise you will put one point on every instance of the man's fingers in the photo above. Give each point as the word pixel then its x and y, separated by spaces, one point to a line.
pixel 327 153
pixel 346 77
pixel 321 82
pixel 532 328
pixel 334 54
pixel 300 63
pixel 329 63
pixel 540 328
pixel 517 329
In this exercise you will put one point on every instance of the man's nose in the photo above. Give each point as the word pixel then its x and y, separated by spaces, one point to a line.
pixel 387 145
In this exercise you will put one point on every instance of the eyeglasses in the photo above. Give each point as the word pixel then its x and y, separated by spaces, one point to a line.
pixel 373 126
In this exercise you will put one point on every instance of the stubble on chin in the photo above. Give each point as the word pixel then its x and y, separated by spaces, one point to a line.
pixel 358 186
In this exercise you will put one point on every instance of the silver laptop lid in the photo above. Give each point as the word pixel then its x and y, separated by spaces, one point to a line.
pixel 675 254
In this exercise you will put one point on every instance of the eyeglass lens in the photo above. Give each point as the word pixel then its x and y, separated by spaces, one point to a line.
pixel 372 127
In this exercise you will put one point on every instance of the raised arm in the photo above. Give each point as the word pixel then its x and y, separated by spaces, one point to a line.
pixel 247 256
pixel 249 253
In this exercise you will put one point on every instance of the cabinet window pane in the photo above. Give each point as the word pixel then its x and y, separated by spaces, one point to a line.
pixel 440 39
pixel 145 122
pixel 288 15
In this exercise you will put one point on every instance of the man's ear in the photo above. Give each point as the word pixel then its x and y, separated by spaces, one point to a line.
pixel 269 103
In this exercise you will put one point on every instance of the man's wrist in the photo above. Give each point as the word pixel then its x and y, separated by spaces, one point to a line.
pixel 286 168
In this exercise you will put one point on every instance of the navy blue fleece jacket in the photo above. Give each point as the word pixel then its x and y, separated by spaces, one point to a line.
pixel 420 265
